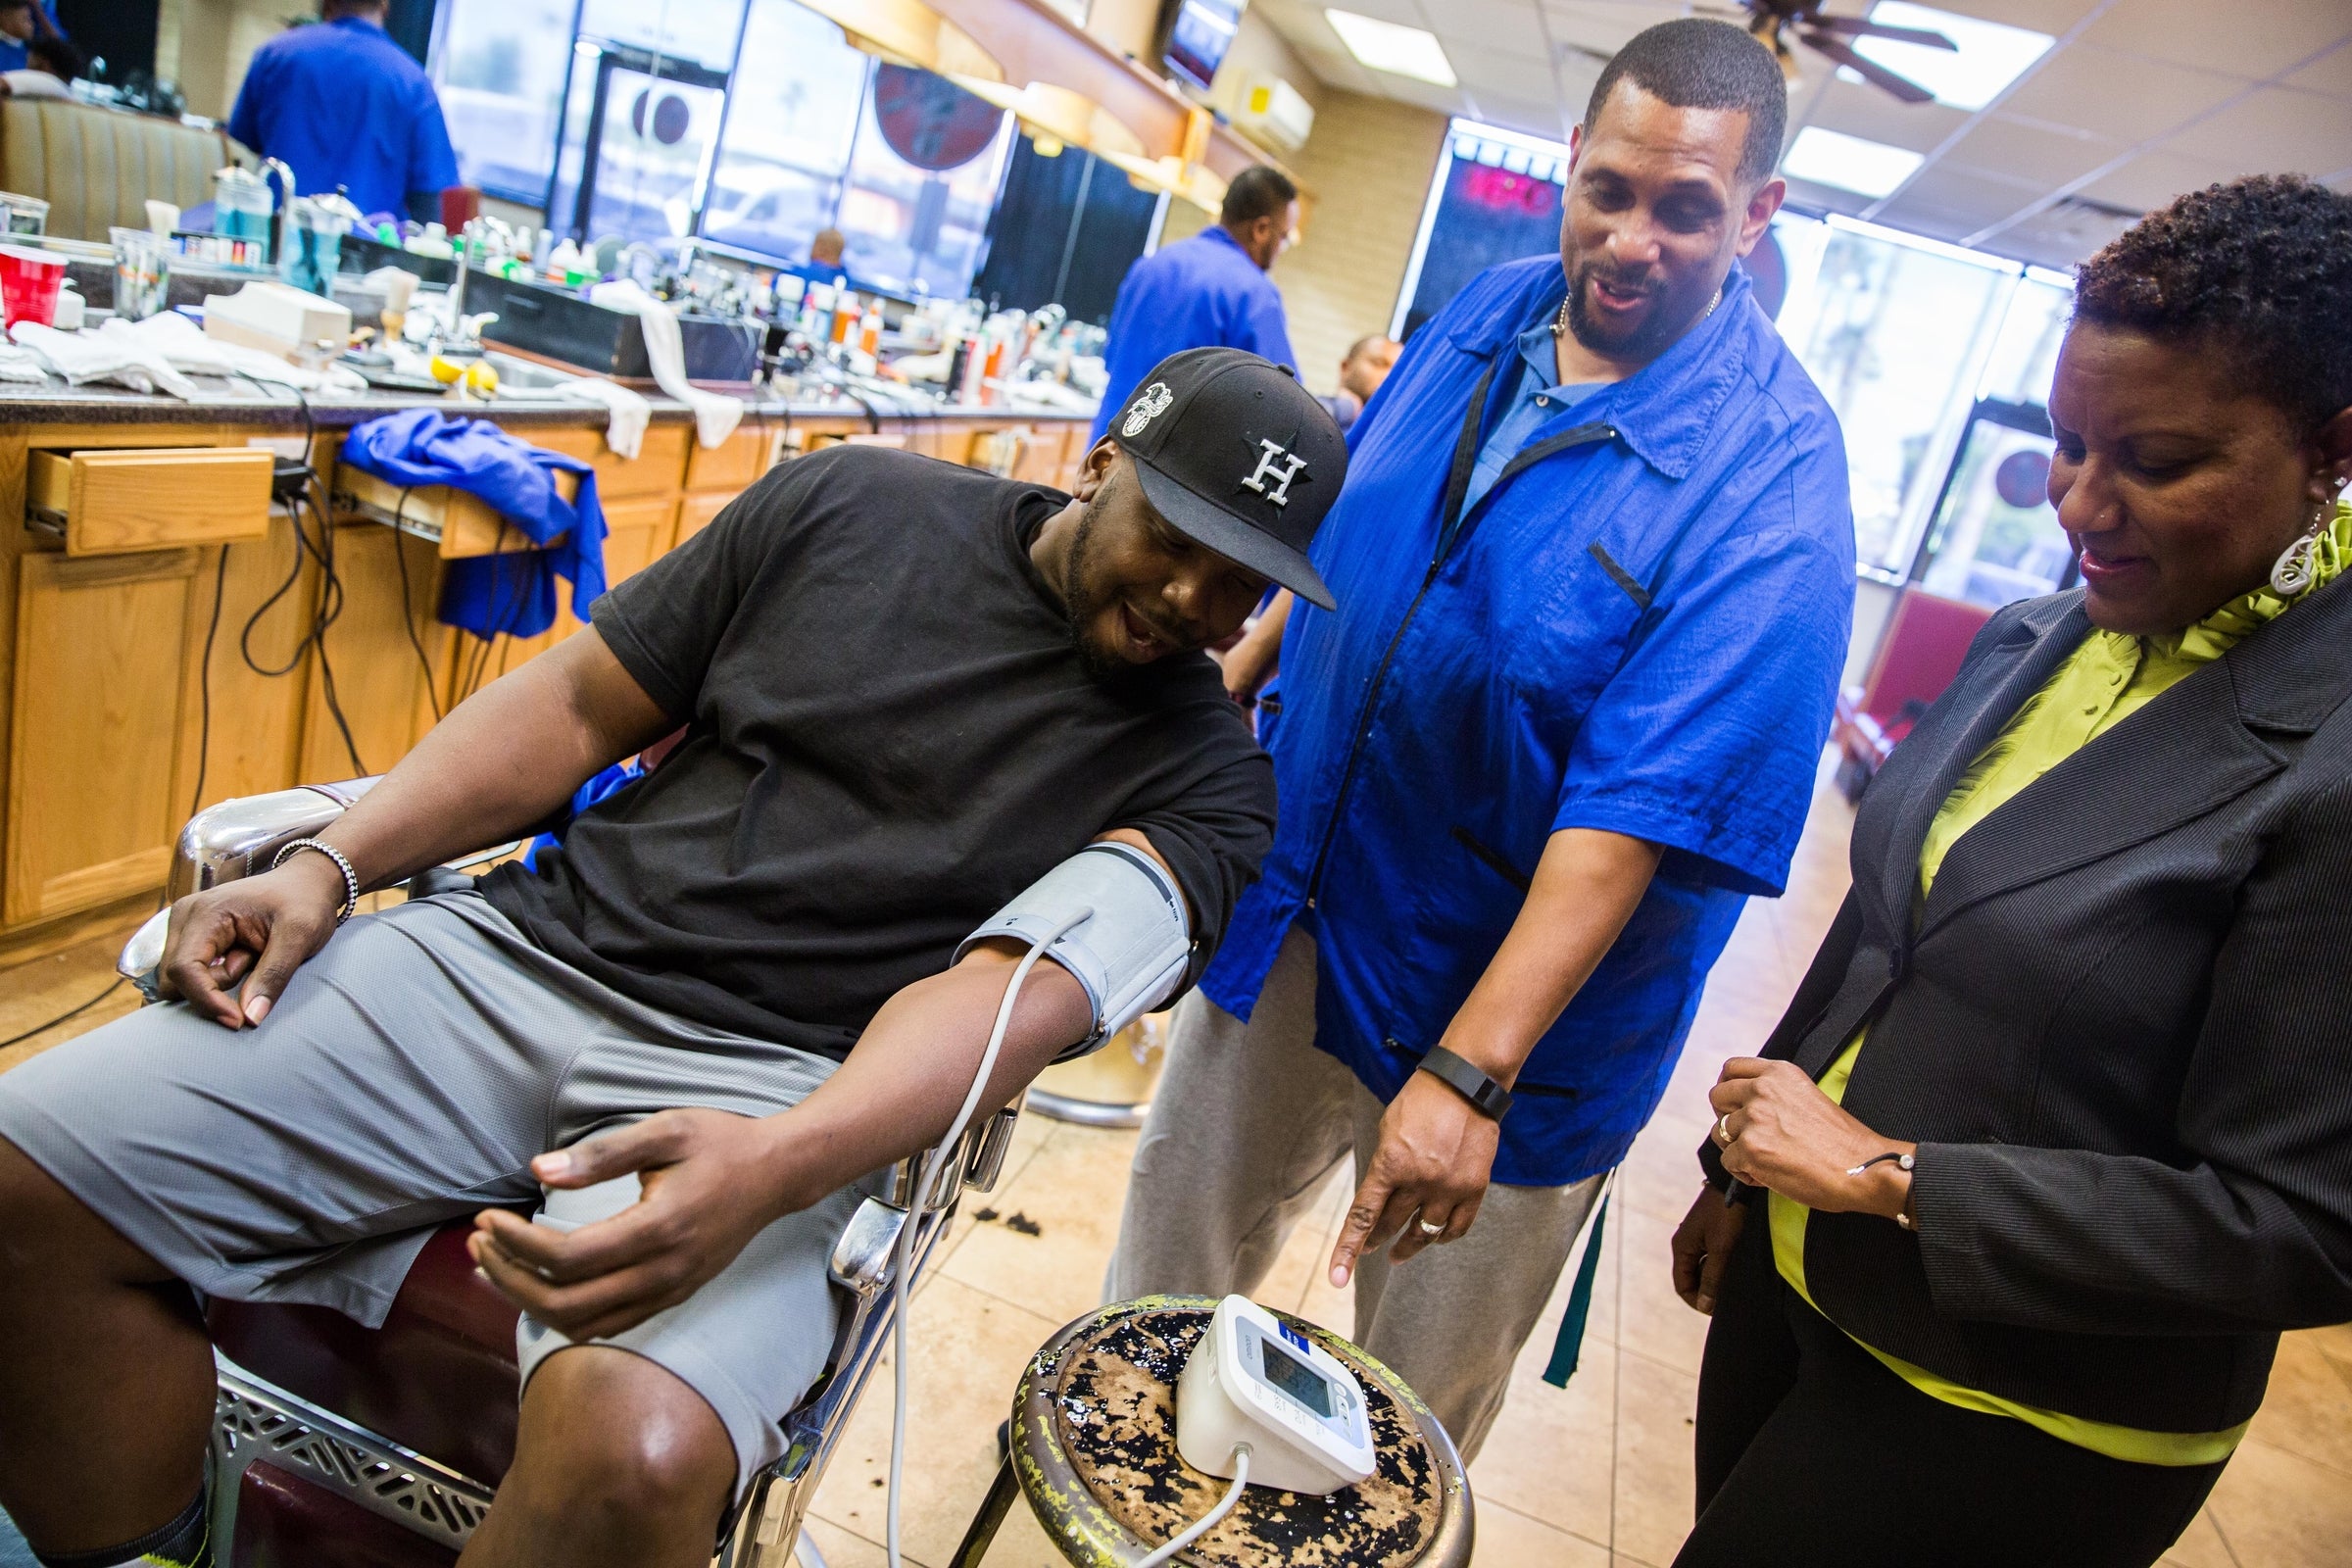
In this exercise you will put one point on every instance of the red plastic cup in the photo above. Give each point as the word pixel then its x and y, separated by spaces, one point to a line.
pixel 29 282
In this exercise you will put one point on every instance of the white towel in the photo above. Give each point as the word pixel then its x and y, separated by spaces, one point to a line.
pixel 182 344
pixel 83 358
pixel 630 413
pixel 19 365
pixel 715 414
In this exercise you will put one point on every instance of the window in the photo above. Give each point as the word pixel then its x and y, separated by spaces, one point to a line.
pixel 903 163
pixel 788 136
pixel 1497 198
pixel 1895 332
pixel 699 31
pixel 499 66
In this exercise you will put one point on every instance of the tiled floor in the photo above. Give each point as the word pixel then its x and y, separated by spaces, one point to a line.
pixel 1590 1477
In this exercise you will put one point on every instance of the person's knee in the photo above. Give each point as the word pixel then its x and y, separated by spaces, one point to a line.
pixel 613 1442
pixel 44 1230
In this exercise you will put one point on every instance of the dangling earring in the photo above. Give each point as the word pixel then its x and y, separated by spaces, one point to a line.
pixel 2292 572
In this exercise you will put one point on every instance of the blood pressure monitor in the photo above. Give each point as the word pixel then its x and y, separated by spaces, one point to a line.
pixel 1254 1380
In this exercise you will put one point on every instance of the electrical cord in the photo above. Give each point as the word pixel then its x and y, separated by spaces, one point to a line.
pixel 204 682
pixel 63 1017
pixel 407 613
pixel 1207 1521
pixel 940 1158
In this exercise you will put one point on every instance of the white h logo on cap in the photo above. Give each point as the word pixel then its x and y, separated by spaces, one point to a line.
pixel 1268 452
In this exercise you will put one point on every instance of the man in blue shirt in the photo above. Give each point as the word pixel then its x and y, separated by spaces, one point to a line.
pixel 1208 291
pixel 20 23
pixel 344 105
pixel 1594 574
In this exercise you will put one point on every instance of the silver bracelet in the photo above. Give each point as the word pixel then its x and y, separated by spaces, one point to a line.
pixel 351 878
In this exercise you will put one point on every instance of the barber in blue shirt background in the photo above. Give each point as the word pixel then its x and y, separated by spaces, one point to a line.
pixel 1594 569
pixel 1210 291
pixel 344 105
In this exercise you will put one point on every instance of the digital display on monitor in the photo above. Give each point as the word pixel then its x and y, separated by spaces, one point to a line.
pixel 1297 1378
pixel 1199 32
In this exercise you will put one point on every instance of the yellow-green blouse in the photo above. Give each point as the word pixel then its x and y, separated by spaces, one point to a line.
pixel 2103 682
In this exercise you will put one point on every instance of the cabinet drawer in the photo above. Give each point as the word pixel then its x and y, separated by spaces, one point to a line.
pixel 121 502
pixel 657 469
pixel 459 524
pixel 737 462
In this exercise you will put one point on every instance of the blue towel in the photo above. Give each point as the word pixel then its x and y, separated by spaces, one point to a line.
pixel 513 593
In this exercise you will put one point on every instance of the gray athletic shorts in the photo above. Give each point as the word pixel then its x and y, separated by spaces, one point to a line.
pixel 406 1078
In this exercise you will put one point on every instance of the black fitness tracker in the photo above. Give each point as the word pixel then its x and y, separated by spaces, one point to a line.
pixel 1490 1098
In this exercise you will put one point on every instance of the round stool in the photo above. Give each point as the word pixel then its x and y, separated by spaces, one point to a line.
pixel 1094 1452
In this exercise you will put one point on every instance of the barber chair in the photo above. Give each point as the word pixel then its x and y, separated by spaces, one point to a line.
pixel 339 1447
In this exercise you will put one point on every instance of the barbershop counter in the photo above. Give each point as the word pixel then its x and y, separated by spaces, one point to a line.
pixel 142 536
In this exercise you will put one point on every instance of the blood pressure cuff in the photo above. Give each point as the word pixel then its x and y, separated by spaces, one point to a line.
pixel 1129 952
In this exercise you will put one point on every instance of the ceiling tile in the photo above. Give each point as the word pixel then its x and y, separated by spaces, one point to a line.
pixel 2154 179
pixel 2052 17
pixel 1806 196
pixel 2122 96
pixel 2060 235
pixel 2246 37
pixel 1513 25
pixel 1861 109
pixel 1404 12
pixel 2046 155
pixel 2274 131
pixel 1494 73
pixel 1537 118
pixel 2331 73
pixel 1965 202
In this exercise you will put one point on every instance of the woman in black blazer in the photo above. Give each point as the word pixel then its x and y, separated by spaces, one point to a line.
pixel 2056 1137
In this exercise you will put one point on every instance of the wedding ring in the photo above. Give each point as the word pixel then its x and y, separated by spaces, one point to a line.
pixel 1428 1229
pixel 1723 1129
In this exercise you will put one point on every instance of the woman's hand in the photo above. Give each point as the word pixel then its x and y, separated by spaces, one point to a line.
pixel 1702 1246
pixel 1777 1130
pixel 1435 1153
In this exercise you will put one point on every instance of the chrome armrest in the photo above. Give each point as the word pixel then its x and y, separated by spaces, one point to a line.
pixel 227 841
pixel 239 838
pixel 862 1258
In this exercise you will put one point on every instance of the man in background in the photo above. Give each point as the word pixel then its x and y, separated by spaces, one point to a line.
pixel 52 62
pixel 342 104
pixel 1367 363
pixel 24 23
pixel 1208 291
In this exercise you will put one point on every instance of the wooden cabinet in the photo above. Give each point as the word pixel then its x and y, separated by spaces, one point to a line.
pixel 388 658
pixel 125 500
pixel 637 534
pixel 696 511
pixel 100 649
pixel 736 463
pixel 657 469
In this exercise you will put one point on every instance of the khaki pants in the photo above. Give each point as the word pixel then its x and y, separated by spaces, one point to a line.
pixel 1248 1120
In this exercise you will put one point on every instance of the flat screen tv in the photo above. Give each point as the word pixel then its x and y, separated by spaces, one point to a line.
pixel 1196 34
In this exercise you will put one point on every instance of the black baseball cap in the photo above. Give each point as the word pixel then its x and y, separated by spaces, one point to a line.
pixel 1237 456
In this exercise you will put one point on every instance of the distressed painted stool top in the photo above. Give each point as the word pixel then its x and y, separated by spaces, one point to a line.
pixel 1093 1445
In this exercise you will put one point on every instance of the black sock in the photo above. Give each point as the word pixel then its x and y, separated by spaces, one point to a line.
pixel 184 1542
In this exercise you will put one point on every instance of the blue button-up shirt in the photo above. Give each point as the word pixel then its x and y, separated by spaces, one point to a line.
pixel 1638 630
pixel 344 105
pixel 1539 396
pixel 1199 293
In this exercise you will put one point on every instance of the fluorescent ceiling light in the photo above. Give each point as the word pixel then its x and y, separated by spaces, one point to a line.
pixel 1990 55
pixel 1833 157
pixel 1398 50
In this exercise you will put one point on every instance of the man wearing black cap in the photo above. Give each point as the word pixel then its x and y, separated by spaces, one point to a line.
pixel 909 691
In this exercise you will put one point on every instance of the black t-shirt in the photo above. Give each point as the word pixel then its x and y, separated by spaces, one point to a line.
pixel 890 734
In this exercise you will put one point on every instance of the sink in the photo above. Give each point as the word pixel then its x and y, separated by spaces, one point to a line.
pixel 524 375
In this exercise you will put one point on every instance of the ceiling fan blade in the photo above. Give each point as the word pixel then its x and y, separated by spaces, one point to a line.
pixel 1870 70
pixel 1859 28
